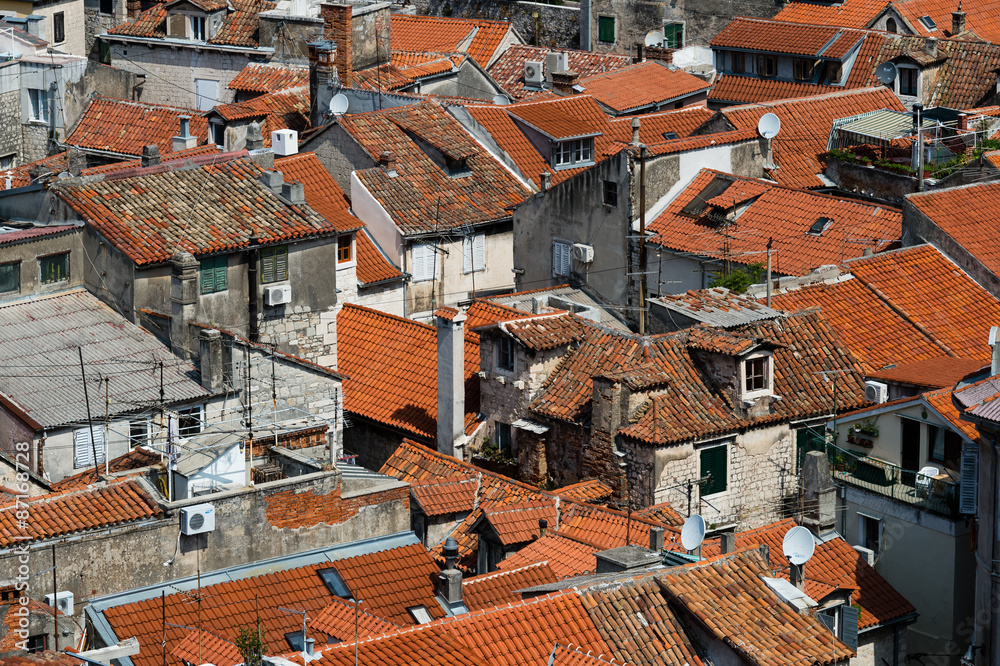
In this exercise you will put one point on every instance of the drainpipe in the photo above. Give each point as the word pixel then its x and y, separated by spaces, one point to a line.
pixel 252 253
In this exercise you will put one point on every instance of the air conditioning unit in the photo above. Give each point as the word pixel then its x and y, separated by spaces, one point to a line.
pixel 278 295
pixel 583 253
pixel 64 603
pixel 876 392
pixel 197 519
pixel 533 73
pixel 867 554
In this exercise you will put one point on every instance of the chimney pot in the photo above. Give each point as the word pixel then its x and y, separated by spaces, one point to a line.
pixel 797 573
pixel 272 180
pixel 563 82
pixel 931 46
pixel 150 155
pixel 635 131
pixel 543 527
pixel 285 142
pixel 184 140
pixel 255 138
pixel 310 646
pixel 294 192
pixel 387 160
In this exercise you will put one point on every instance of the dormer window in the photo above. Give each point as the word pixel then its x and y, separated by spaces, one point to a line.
pixel 802 69
pixel 573 153
pixel 191 26
pixel 757 375
pixel 198 28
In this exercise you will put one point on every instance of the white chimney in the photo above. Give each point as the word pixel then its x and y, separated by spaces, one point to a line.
pixel 995 344
pixel 285 142
pixel 451 383
pixel 184 140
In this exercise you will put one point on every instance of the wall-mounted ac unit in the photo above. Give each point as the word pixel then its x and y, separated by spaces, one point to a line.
pixel 278 295
pixel 533 73
pixel 197 519
pixel 583 253
pixel 876 392
pixel 867 554
pixel 64 603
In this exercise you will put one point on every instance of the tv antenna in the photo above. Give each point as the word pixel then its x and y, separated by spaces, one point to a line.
pixel 886 73
pixel 654 38
pixel 693 533
pixel 339 104
pixel 768 127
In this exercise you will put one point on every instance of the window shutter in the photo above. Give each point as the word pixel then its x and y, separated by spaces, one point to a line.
pixel 479 252
pixel 560 258
pixel 970 472
pixel 83 453
pixel 423 262
pixel 221 274
pixel 207 276
pixel 267 265
pixel 467 252
pixel 281 263
pixel 849 626
pixel 713 463
pixel 827 620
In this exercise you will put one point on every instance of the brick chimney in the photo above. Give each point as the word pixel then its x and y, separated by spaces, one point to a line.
pixel 150 155
pixel 387 160
pixel 563 82
pixel 957 21
pixel 451 383
pixel 133 8
pixel 338 29
pixel 323 78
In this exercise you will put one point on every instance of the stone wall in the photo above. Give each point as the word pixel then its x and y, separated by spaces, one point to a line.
pixel 372 442
pixel 309 334
pixel 97 23
pixel 555 26
pixel 34 142
pixel 10 123
pixel 98 79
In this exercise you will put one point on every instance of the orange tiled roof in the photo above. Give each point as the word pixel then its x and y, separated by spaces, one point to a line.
pixel 263 77
pixel 440 34
pixel 10 637
pixel 204 647
pixel 806 127
pixel 44 658
pixel 420 184
pixel 501 126
pixel 936 372
pixel 605 528
pixel 140 215
pixel 208 150
pixel 645 84
pixel 654 127
pixel 239 27
pixel 752 90
pixel 323 193
pixel 339 619
pixel 62 513
pixel 124 127
pixel 563 117
pixel 547 331
pixel 563 555
pixel 779 37
pixel 508 70
pixel 968 215
pixel 373 266
pixel 662 513
pixel 137 458
pixel 780 634
pixel 702 142
pixel 420 646
pixel 772 212
pixel 519 523
pixel 966 79
pixel 284 109
pixel 586 491
pixel 574 656
pixel 500 587
pixel 438 497
pixel 982 17
pixel 945 406
pixel 20 177
pixel 847 14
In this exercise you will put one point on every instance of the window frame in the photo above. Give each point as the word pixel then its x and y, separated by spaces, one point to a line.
pixel 803 69
pixel 59 28
pixel 187 412
pixel 106 3
pixel 430 252
pixel 614 28
pixel 505 354
pixel 345 250
pixel 915 73
pixel 737 62
pixel 675 43
pixel 216 266
pixel 17 276
pixel 745 362
pixel 863 533
pixel 38 105
pixel 573 153
pixel 610 193
pixel 99 442
pixel 133 438
pixel 503 436
pixel 557 262
pixel 198 27
pixel 767 66
pixel 271 269
pixel 41 271
pixel 713 486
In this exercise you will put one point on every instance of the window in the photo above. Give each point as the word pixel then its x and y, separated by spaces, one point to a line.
pixel 295 640
pixel 54 268
pixel 424 262
pixel 107 6
pixel 105 52
pixel 274 264
pixel 573 153
pixel 39 102
pixel 739 63
pixel 84 449
pixel 59 27
pixel 767 66
pixel 755 374
pixel 10 277
pixel 335 583
pixel 8 161
pixel 138 433
pixel 345 249
pixel 606 29
pixel 610 193
pixel 36 643
pixel 420 614
pixel 908 78
pixel 189 421
pixel 802 69
pixel 502 435
pixel 214 274
pixel 218 134
pixel 714 470
pixel 670 136
pixel 505 354
pixel 206 94
pixel 673 35
pixel 945 446
pixel 890 25
pixel 198 28
pixel 870 533
pixel 560 258
pixel 819 226
pixel 928 22
pixel 474 253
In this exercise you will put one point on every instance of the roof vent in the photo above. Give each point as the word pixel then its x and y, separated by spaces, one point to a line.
pixel 294 193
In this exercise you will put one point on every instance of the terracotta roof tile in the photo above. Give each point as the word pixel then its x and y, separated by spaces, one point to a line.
pixel 564 556
pixel 767 211
pixel 508 70
pixel 777 37
pixel 733 88
pixel 420 646
pixel 592 490
pixel 573 656
pixel 654 127
pixel 33 233
pixel 142 215
pixel 546 332
pixel 284 109
pixel 941 401
pixel 208 150
pixel 563 117
pixel 848 14
pixel 338 620
pixel 662 513
pixel 440 34
pixel 239 27
pixel 44 658
pixel 936 372
pixel 323 193
pixel 604 528
pixel 500 587
pixel 204 647
pixel 124 127
pixel 981 17
pixel 965 79
pixel 645 84
pixel 137 458
pixel 519 523
pixel 373 266
pixel 262 77
pixel 438 497
pixel 62 513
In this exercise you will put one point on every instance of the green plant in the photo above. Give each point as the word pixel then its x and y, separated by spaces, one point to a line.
pixel 250 643
pixel 869 426
pixel 490 451
pixel 739 280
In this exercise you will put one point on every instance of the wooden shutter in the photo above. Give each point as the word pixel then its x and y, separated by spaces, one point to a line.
pixel 474 251
pixel 606 29
pixel 713 463
pixel 221 274
pixel 423 262
pixel 969 479
pixel 849 626
pixel 560 258
pixel 267 265
pixel 468 259
pixel 207 276
pixel 83 452
pixel 281 263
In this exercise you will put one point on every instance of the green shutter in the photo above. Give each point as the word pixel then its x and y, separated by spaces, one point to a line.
pixel 10 277
pixel 281 263
pixel 713 465
pixel 207 276
pixel 673 35
pixel 214 274
pixel 274 264
pixel 221 273
pixel 606 29
pixel 267 265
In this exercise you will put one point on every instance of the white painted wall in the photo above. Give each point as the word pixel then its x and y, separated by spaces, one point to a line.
pixel 380 224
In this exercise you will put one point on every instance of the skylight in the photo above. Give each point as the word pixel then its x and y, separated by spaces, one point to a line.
pixel 669 135
pixel 819 226
pixel 335 583
pixel 928 22
pixel 420 614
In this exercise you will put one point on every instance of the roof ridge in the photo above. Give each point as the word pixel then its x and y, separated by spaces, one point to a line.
pixel 503 572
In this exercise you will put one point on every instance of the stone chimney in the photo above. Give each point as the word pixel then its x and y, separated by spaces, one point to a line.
pixel 337 28
pixel 957 21
pixel 150 155
pixel 797 574
pixel 294 193
pixel 323 78
pixel 255 137
pixel 626 558
pixel 261 156
pixel 272 180
pixel 451 384
pixel 636 123
pixel 656 539
pixel 184 140
pixel 183 301
pixel 563 82
pixel 133 8
pixel 387 160
pixel 545 178
pixel 727 542
pixel 820 493
pixel 931 46
pixel 77 162
pixel 210 350
pixel 449 586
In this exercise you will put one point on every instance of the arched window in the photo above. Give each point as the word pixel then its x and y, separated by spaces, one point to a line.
pixel 890 25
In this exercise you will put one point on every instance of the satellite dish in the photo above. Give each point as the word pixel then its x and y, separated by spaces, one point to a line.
pixel 654 38
pixel 886 73
pixel 338 105
pixel 798 545
pixel 693 532
pixel 500 100
pixel 769 125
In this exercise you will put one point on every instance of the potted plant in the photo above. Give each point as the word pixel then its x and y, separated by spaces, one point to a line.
pixel 869 427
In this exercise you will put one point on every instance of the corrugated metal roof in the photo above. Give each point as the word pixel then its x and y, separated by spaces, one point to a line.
pixel 552 298
pixel 40 364
pixel 717 307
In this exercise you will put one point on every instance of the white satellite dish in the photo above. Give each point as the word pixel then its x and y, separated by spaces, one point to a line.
pixel 654 38
pixel 886 73
pixel 339 104
pixel 769 125
pixel 798 545
pixel 500 100
pixel 693 532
